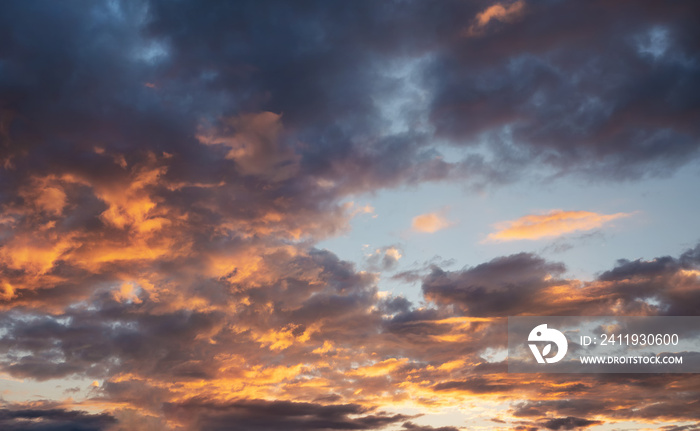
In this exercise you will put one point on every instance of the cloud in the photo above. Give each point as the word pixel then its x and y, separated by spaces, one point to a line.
pixel 430 222
pixel 505 286
pixel 514 285
pixel 522 91
pixel 477 385
pixel 551 224
pixel 415 427
pixel 255 143
pixel 569 423
pixel 497 12
pixel 335 327
pixel 168 169
pixel 384 259
pixel 54 419
pixel 252 415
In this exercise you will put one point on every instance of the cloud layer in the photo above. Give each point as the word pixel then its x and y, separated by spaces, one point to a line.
pixel 551 224
pixel 167 170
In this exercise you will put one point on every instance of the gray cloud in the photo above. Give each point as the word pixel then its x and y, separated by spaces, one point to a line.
pixel 32 419
pixel 414 427
pixel 253 415
pixel 505 286
pixel 516 284
pixel 569 423
pixel 576 87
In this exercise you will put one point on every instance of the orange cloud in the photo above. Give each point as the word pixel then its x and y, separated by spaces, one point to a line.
pixel 129 203
pixel 497 12
pixel 46 194
pixel 127 292
pixel 379 369
pixel 430 223
pixel 553 223
pixel 36 254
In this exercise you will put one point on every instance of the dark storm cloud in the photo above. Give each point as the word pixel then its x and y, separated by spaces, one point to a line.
pixel 587 87
pixel 74 80
pixel 595 87
pixel 138 76
pixel 254 415
pixel 30 419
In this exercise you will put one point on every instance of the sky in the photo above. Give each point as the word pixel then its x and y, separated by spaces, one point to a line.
pixel 318 215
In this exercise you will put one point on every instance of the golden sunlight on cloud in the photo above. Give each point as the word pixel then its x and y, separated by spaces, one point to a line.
pixel 130 204
pixel 497 12
pixel 46 195
pixel 280 340
pixel 52 200
pixel 393 253
pixel 430 223
pixel 127 292
pixel 379 369
pixel 553 223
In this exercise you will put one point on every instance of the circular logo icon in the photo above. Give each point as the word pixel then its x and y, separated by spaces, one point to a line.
pixel 551 336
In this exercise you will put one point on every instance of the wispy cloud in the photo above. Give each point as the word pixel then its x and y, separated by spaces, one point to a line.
pixel 551 224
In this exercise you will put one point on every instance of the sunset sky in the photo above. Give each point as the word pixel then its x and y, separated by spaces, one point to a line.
pixel 318 215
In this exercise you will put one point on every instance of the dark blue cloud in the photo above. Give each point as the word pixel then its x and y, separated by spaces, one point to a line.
pixel 30 419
